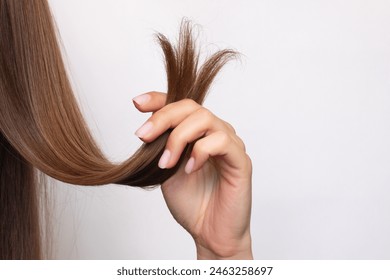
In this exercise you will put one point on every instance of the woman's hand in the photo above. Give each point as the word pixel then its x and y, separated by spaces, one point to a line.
pixel 210 195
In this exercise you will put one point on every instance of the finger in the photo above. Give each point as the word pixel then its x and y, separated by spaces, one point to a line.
pixel 167 117
pixel 150 101
pixel 236 138
pixel 198 124
pixel 219 144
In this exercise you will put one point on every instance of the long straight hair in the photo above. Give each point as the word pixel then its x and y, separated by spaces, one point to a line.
pixel 42 128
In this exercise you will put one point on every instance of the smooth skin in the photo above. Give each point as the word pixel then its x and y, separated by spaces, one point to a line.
pixel 210 195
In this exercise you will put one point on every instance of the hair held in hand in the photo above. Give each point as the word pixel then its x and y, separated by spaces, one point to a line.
pixel 42 128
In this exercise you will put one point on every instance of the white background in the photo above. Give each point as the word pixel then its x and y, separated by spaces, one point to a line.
pixel 310 98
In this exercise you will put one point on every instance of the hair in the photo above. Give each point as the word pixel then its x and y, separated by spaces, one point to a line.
pixel 43 130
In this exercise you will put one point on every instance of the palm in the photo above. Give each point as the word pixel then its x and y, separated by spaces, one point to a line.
pixel 211 205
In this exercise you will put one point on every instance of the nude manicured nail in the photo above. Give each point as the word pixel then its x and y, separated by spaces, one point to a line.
pixel 142 99
pixel 164 159
pixel 144 129
pixel 190 165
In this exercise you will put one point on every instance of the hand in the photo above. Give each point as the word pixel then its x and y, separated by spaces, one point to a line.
pixel 210 195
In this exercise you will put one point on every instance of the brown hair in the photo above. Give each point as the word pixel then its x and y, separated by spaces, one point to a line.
pixel 42 128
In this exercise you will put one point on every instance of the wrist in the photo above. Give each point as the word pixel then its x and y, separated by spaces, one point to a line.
pixel 241 250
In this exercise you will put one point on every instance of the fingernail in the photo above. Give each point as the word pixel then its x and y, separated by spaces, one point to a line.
pixel 144 129
pixel 164 159
pixel 190 165
pixel 142 99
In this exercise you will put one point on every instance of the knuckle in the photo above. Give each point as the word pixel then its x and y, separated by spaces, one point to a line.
pixel 230 127
pixel 174 146
pixel 158 121
pixel 241 143
pixel 223 138
pixel 176 138
pixel 154 118
pixel 249 163
pixel 161 114
pixel 205 115
pixel 189 102
pixel 199 148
